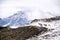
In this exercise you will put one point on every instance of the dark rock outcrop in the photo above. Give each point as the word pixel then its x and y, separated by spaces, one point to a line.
pixel 47 19
pixel 21 33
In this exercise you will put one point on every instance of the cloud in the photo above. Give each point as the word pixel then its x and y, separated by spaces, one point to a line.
pixel 9 7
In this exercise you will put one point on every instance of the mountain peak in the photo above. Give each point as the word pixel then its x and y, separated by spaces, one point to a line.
pixel 17 19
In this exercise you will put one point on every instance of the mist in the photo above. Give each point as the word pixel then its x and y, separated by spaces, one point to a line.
pixel 36 8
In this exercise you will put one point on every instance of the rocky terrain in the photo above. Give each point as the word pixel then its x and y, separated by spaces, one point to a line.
pixel 53 25
pixel 39 29
pixel 21 33
pixel 47 19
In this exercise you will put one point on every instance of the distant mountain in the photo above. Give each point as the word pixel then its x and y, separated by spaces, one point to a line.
pixel 18 19
pixel 21 18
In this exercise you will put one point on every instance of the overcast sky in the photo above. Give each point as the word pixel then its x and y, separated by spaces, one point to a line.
pixel 9 7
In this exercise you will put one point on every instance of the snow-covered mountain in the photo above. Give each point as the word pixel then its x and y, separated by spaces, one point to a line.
pixel 18 19
pixel 24 17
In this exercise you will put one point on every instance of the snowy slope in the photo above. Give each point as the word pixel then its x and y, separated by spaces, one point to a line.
pixel 18 19
pixel 53 32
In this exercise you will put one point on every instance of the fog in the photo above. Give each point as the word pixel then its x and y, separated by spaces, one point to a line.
pixel 36 7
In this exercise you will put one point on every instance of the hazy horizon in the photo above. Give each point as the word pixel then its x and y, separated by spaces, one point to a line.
pixel 9 7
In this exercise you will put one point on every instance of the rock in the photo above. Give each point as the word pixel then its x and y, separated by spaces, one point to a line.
pixel 47 19
pixel 21 33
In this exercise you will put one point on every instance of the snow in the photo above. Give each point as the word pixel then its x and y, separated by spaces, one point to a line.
pixel 50 34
